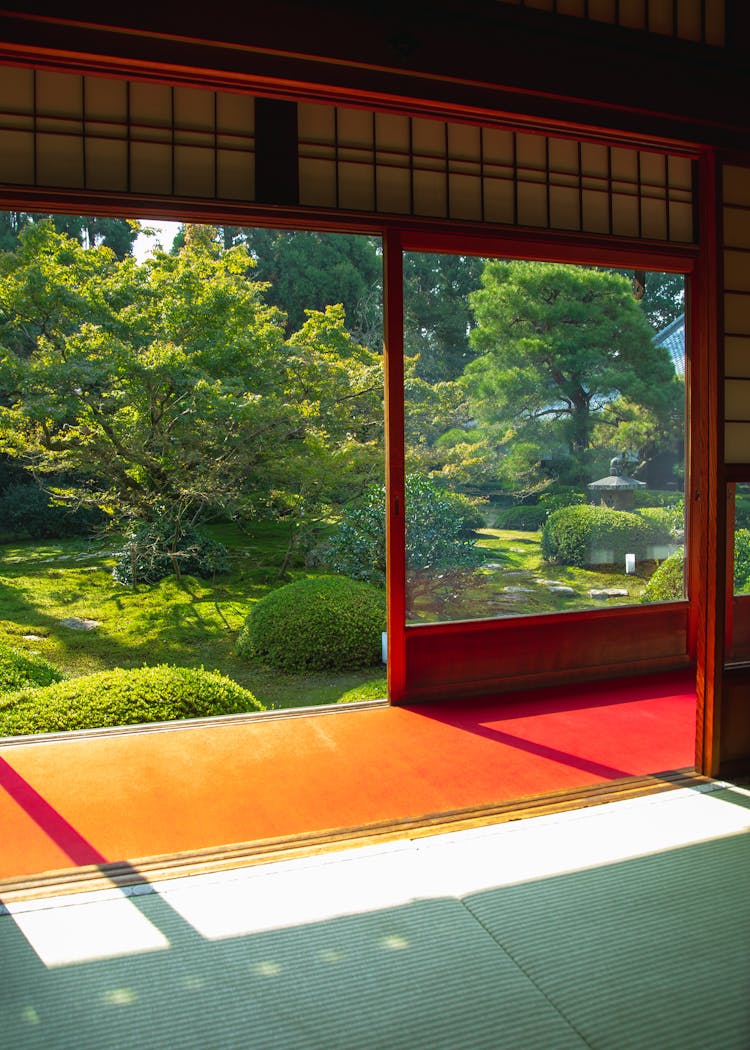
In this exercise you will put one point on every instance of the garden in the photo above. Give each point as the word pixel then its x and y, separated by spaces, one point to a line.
pixel 191 454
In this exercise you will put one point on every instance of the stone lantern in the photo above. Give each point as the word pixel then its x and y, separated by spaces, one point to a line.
pixel 616 490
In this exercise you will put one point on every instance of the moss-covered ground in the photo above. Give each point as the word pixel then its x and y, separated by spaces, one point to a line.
pixel 186 622
pixel 194 623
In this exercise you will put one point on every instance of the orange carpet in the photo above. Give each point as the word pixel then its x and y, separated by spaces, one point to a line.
pixel 77 802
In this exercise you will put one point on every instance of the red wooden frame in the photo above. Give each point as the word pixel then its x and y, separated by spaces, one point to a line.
pixel 481 656
pixel 703 620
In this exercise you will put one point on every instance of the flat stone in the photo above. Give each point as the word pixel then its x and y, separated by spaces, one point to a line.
pixel 76 624
pixel 561 588
pixel 608 592
pixel 33 637
pixel 517 590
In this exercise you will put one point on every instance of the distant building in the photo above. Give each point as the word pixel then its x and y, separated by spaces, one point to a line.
pixel 673 337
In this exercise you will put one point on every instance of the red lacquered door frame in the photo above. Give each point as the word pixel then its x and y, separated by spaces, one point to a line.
pixel 453 659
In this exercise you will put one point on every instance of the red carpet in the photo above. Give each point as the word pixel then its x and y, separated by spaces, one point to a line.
pixel 78 802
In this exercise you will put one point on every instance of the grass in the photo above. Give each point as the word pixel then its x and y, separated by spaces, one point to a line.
pixel 514 580
pixel 195 623
pixel 187 622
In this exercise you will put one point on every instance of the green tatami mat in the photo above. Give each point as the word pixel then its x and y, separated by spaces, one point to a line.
pixel 421 975
pixel 620 927
pixel 652 952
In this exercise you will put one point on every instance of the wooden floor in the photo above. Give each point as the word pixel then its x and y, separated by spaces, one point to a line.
pixel 125 797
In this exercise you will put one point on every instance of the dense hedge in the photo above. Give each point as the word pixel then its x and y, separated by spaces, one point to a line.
pixel 159 549
pixel 589 535
pixel 20 670
pixel 123 697
pixel 322 623
pixel 666 584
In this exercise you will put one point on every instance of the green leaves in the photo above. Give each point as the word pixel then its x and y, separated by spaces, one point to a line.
pixel 559 347
pixel 171 382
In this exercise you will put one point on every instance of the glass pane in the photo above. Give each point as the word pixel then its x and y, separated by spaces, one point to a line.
pixel 190 434
pixel 545 437
pixel 738 564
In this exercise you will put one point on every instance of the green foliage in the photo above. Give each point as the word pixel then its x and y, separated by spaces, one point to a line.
pixel 325 622
pixel 89 231
pixel 123 697
pixel 307 270
pixel 437 314
pixel 663 296
pixel 439 531
pixel 524 517
pixel 26 509
pixel 741 561
pixel 561 496
pixel 588 535
pixel 667 584
pixel 170 384
pixel 742 508
pixel 164 548
pixel 20 670
pixel 649 497
pixel 670 520
pixel 469 508
pixel 373 689
pixel 557 346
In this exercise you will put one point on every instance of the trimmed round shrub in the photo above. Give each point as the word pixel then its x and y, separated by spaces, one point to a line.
pixel 159 549
pixel 669 519
pixel 668 582
pixel 319 624
pixel 589 535
pixel 123 697
pixel 20 670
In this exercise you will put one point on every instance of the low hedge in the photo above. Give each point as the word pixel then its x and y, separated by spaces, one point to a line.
pixel 319 624
pixel 589 535
pixel 526 517
pixel 123 697
pixel 20 670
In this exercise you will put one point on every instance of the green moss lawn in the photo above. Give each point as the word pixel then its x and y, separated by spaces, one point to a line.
pixel 195 623
pixel 186 622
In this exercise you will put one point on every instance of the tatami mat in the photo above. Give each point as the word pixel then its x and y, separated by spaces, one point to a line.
pixel 626 925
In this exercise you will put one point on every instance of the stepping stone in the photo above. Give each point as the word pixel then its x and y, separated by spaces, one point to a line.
pixel 561 588
pixel 608 592
pixel 80 625
pixel 33 637
pixel 517 590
